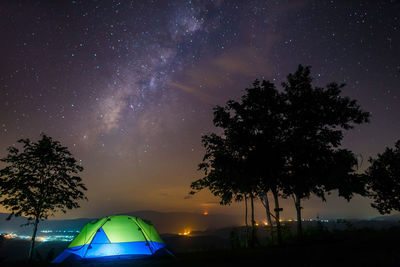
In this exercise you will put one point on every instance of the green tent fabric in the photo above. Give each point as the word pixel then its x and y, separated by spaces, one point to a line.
pixel 114 236
pixel 87 233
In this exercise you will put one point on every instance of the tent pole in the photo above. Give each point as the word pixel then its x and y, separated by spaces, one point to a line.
pixel 143 233
pixel 108 219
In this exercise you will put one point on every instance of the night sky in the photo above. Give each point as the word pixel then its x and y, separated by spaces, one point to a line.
pixel 129 86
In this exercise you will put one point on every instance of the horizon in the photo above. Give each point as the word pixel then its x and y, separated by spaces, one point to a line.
pixel 130 88
pixel 258 217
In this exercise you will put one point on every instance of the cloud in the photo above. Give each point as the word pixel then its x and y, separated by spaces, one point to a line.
pixel 192 91
pixel 210 204
pixel 214 75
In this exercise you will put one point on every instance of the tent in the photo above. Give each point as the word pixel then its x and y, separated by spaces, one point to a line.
pixel 113 236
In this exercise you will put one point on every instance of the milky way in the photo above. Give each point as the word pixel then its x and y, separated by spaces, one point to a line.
pixel 129 86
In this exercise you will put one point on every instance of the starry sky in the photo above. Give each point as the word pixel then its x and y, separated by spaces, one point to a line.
pixel 129 86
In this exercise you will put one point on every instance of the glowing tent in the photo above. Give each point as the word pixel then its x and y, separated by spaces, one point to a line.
pixel 113 236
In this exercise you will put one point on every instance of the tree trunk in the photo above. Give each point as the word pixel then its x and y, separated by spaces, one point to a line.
pixel 33 239
pixel 267 210
pixel 298 210
pixel 277 218
pixel 245 216
pixel 245 220
pixel 253 223
pixel 268 213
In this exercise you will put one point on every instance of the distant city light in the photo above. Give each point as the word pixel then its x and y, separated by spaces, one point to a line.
pixel 67 237
pixel 185 233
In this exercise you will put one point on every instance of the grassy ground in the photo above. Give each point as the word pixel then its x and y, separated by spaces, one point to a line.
pixel 363 247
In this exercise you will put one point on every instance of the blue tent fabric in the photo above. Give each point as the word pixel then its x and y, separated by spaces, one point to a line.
pixel 63 256
pixel 111 249
pixel 127 248
pixel 101 246
pixel 100 237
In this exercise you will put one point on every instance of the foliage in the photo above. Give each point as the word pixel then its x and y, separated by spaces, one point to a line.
pixel 342 175
pixel 251 133
pixel 221 165
pixel 40 180
pixel 384 180
pixel 285 142
pixel 316 118
pixel 250 139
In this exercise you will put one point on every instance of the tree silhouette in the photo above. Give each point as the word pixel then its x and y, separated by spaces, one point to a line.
pixel 384 180
pixel 316 118
pixel 286 143
pixel 251 139
pixel 219 167
pixel 228 173
pixel 39 181
pixel 341 175
pixel 262 108
pixel 222 168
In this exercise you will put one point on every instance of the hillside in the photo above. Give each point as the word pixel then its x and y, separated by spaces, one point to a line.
pixel 165 222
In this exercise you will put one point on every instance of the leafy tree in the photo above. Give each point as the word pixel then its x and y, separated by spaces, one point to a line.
pixel 262 108
pixel 39 181
pixel 251 131
pixel 384 180
pixel 221 167
pixel 226 167
pixel 286 143
pixel 341 175
pixel 316 118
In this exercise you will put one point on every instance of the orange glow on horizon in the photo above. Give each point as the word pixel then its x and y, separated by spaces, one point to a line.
pixel 185 233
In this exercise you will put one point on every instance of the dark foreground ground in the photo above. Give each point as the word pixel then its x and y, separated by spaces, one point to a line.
pixel 353 247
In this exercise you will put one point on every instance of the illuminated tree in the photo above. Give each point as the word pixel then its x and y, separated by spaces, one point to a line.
pixel 39 181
